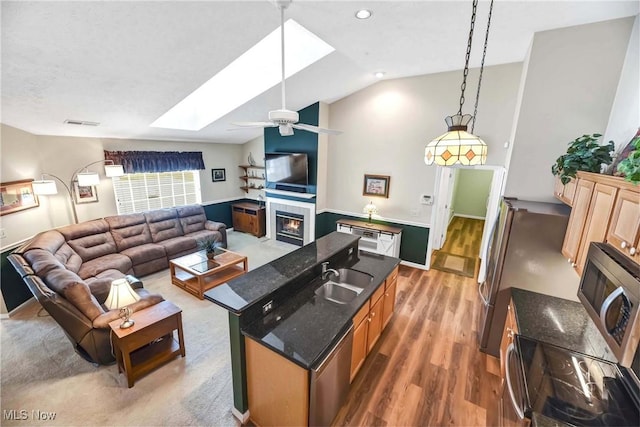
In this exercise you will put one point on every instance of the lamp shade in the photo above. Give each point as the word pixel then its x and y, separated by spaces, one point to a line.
pixel 44 187
pixel 120 295
pixel 113 170
pixel 457 146
pixel 87 179
pixel 370 209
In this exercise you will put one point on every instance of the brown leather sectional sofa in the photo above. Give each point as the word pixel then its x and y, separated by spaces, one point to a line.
pixel 70 269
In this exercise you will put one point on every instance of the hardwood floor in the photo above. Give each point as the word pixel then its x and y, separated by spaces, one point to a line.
pixel 464 236
pixel 426 369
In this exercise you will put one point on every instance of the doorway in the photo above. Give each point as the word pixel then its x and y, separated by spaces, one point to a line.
pixel 466 199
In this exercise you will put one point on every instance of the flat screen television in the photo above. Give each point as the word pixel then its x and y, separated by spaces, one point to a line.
pixel 287 168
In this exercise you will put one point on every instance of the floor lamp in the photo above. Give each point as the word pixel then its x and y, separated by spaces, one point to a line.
pixel 85 178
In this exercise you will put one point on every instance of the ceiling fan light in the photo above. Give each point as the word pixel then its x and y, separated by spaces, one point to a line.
pixel 286 130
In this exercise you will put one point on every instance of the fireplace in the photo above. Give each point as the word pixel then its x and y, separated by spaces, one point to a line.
pixel 290 228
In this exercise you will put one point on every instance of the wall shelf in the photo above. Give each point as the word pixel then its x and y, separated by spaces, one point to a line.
pixel 252 173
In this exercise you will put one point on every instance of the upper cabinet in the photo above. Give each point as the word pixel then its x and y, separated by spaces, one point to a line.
pixel 565 192
pixel 604 208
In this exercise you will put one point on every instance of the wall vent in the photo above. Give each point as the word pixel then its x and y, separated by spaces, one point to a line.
pixel 81 123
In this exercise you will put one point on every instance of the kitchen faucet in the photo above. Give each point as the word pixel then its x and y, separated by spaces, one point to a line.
pixel 326 271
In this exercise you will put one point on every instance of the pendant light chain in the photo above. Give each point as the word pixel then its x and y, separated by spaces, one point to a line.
pixel 484 54
pixel 282 7
pixel 466 59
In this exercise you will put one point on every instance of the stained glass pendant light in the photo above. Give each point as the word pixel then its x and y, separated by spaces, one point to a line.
pixel 457 146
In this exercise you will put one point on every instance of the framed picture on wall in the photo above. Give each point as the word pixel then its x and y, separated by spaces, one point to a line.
pixel 17 196
pixel 84 193
pixel 218 175
pixel 376 185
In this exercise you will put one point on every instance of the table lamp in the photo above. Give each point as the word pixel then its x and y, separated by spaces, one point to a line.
pixel 370 209
pixel 120 296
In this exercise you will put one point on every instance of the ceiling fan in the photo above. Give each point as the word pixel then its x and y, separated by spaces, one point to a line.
pixel 285 120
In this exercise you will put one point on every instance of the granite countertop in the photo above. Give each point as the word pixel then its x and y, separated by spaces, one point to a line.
pixel 558 321
pixel 304 329
pixel 240 293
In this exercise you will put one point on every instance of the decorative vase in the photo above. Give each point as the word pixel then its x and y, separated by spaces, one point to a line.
pixel 251 160
pixel 211 254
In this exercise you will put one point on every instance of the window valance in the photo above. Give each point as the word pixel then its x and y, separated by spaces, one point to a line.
pixel 156 161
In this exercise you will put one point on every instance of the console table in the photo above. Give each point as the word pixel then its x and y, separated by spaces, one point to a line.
pixel 249 218
pixel 376 238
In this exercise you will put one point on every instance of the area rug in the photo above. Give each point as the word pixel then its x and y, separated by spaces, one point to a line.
pixel 457 264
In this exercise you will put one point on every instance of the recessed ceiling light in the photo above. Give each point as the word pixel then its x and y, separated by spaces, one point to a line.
pixel 81 122
pixel 379 74
pixel 363 14
pixel 252 73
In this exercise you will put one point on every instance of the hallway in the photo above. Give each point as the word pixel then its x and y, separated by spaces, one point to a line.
pixel 464 236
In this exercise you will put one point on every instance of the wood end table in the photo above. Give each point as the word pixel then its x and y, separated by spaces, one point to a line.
pixel 150 342
pixel 196 274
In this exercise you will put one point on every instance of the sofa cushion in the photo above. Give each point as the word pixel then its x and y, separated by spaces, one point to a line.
pixel 143 253
pixel 204 234
pixel 53 242
pixel 90 239
pixel 129 230
pixel 163 224
pixel 179 245
pixel 42 261
pixel 192 218
pixel 74 290
pixel 96 266
pixel 100 285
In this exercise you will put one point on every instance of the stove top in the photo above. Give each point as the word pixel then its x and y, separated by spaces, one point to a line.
pixel 575 388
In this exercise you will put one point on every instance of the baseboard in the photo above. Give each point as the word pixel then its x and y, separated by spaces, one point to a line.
pixel 240 416
pixel 414 265
pixel 15 310
pixel 470 216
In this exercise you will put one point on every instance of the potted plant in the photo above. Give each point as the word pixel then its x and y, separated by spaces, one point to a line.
pixel 210 246
pixel 584 154
pixel 629 167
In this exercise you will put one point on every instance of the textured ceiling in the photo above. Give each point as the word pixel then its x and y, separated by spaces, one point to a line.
pixel 123 63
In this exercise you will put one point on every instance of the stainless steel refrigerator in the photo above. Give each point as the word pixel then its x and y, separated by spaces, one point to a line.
pixel 524 253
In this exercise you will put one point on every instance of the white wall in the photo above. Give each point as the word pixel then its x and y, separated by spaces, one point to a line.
pixel 624 119
pixel 26 156
pixel 571 81
pixel 387 126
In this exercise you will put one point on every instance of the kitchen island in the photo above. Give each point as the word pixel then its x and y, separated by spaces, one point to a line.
pixel 276 306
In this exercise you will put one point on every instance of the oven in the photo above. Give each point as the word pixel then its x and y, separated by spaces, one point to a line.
pixel 610 292
pixel 566 386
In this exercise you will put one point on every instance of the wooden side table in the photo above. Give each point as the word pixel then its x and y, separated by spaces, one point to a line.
pixel 150 342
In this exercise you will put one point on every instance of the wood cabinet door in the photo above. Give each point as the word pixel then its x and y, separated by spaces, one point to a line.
pixel 375 323
pixel 597 223
pixel 389 302
pixel 581 202
pixel 565 192
pixel 624 230
pixel 359 350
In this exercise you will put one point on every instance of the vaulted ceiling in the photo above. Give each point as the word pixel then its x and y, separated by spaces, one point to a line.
pixel 125 63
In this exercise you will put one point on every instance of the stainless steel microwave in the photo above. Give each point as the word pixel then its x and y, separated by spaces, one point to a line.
pixel 610 292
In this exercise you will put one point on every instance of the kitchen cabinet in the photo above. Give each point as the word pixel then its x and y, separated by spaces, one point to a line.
pixel 371 320
pixel 249 218
pixel 624 229
pixel 277 389
pixel 565 192
pixel 605 208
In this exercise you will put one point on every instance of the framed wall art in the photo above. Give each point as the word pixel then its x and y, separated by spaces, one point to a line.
pixel 376 185
pixel 16 196
pixel 218 175
pixel 84 194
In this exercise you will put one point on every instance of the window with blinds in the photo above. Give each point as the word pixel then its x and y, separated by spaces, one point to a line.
pixel 138 192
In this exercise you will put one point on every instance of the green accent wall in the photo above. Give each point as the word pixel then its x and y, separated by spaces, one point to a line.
pixel 300 142
pixel 471 192
pixel 413 246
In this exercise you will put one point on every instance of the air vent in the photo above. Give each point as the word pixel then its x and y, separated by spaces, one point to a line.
pixel 81 123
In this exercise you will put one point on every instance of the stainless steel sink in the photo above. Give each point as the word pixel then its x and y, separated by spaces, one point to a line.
pixel 340 293
pixel 353 278
pixel 345 287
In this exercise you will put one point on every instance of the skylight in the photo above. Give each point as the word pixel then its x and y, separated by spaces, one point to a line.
pixel 251 74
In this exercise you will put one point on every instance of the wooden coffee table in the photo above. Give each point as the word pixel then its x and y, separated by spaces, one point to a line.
pixel 149 343
pixel 195 273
